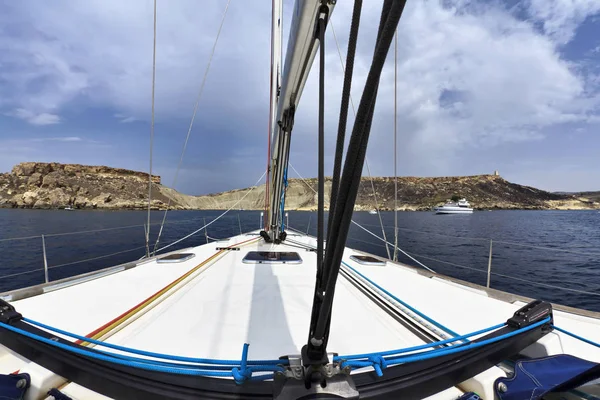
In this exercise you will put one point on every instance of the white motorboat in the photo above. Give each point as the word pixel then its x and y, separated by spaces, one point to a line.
pixel 245 318
pixel 372 212
pixel 461 206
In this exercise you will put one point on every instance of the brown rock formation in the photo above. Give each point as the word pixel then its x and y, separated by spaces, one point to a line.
pixel 53 185
pixel 414 194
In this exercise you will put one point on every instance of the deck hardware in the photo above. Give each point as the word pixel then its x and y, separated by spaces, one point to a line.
pixel 298 380
pixel 205 230
pixel 272 257
pixel 175 258
pixel 45 259
pixel 8 314
pixel 532 312
pixel 489 272
pixel 228 248
pixel 367 260
pixel 502 387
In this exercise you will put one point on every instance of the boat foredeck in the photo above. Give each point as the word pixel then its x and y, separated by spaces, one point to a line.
pixel 223 305
pixel 210 305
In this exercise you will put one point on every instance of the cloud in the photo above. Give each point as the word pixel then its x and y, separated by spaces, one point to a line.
pixel 561 18
pixel 100 53
pixel 125 119
pixel 58 139
pixel 33 118
pixel 472 75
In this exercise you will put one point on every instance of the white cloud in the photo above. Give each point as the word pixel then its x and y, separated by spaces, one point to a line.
pixel 503 81
pixel 469 76
pixel 34 118
pixel 58 139
pixel 125 119
pixel 101 52
pixel 44 119
pixel 560 18
pixel 471 73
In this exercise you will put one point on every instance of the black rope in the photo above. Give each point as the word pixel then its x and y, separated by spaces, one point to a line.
pixel 339 151
pixel 318 351
pixel 350 179
pixel 339 148
pixel 320 36
pixel 322 24
pixel 318 294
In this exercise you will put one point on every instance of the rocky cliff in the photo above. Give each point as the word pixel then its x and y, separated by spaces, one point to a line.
pixel 54 185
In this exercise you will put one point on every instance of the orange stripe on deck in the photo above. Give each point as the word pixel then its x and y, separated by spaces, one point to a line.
pixel 135 309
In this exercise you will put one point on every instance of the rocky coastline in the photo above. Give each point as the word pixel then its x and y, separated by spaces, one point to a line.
pixel 54 186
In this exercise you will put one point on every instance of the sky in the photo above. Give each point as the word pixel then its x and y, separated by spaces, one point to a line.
pixel 512 86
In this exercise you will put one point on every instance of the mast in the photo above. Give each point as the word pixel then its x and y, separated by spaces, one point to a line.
pixel 275 82
pixel 301 50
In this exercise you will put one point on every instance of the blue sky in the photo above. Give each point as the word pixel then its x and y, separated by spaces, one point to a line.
pixel 512 86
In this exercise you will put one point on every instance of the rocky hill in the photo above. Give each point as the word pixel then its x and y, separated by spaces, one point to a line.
pixel 414 194
pixel 54 185
pixel 594 196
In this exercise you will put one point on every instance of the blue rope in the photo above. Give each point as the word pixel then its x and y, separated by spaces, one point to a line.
pixel 576 336
pixel 420 347
pixel 243 372
pixel 379 362
pixel 151 354
pixel 419 313
pixel 158 367
pixel 104 357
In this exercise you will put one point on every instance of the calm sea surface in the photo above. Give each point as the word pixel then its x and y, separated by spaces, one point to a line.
pixel 528 254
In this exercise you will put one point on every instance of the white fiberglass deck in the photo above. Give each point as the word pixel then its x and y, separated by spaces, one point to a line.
pixel 227 303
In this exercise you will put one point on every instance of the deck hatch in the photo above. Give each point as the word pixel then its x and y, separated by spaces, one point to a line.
pixel 367 260
pixel 272 257
pixel 175 258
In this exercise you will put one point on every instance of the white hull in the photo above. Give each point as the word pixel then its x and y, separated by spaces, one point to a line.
pixel 453 210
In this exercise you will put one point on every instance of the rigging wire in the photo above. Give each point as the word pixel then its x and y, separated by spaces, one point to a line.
pixel 219 217
pixel 385 244
pixel 151 134
pixel 187 137
pixel 533 283
pixel 350 64
pixel 346 98
pixel 399 249
pixel 395 146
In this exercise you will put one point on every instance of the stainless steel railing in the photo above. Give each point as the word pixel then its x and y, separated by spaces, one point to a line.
pixel 235 221
pixel 489 272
